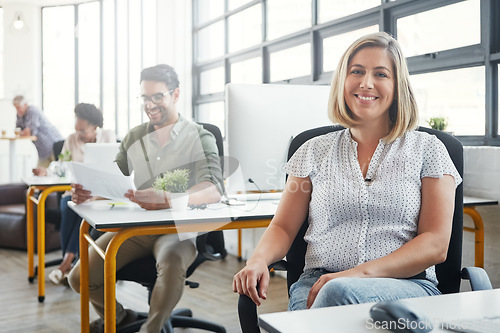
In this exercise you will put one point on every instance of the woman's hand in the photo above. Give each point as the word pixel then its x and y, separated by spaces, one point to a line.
pixel 324 279
pixel 149 199
pixel 78 194
pixel 245 281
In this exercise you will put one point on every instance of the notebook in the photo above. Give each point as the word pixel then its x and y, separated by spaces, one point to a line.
pixel 98 153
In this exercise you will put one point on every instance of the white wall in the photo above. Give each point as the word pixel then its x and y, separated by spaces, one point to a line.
pixel 482 172
pixel 22 52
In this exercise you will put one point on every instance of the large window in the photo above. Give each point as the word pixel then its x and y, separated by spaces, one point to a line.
pixel 1 51
pixel 93 52
pixel 452 48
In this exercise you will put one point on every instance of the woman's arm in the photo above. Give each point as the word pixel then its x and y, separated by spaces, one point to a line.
pixel 277 239
pixel 428 248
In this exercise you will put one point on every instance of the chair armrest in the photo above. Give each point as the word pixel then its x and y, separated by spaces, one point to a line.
pixel 247 310
pixel 478 278
pixel 281 265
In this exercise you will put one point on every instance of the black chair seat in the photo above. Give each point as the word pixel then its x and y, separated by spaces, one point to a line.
pixel 449 272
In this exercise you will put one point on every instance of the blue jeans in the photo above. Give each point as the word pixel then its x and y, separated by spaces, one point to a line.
pixel 70 228
pixel 342 291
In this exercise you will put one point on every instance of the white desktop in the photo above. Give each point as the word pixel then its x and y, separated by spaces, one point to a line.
pixel 262 121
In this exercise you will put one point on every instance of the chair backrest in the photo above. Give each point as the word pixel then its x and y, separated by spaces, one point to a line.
pixel 57 148
pixel 448 272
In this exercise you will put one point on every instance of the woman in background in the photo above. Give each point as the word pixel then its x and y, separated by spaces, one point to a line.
pixel 88 129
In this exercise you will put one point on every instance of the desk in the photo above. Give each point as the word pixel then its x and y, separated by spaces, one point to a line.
pixel 46 186
pixel 470 204
pixel 12 154
pixel 355 318
pixel 129 220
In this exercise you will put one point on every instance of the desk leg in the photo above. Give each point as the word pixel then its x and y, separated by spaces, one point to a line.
pixel 239 244
pixel 110 285
pixel 41 244
pixel 478 234
pixel 84 277
pixel 30 234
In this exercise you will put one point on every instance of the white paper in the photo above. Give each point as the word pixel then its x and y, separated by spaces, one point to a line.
pixel 103 179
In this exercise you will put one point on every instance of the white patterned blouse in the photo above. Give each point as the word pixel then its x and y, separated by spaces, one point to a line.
pixel 353 219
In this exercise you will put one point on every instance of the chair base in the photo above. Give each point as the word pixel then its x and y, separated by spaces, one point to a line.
pixel 179 318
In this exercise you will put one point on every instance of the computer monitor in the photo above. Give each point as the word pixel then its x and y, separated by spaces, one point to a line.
pixel 100 153
pixel 261 122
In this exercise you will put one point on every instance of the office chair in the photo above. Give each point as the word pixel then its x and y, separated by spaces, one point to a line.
pixel 210 246
pixel 449 272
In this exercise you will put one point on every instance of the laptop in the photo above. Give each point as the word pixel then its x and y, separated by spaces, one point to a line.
pixel 100 153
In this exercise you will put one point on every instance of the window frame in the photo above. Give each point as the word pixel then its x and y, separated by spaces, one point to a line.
pixel 122 113
pixel 486 53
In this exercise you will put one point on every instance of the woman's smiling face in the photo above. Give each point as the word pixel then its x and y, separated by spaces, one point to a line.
pixel 370 84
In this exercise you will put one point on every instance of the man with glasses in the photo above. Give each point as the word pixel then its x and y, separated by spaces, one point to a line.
pixel 32 121
pixel 166 142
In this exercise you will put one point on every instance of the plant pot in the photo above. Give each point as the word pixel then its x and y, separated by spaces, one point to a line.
pixel 179 201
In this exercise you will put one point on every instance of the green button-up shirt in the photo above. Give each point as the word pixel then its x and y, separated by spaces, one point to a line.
pixel 190 147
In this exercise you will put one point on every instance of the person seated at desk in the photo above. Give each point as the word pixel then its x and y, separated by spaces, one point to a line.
pixel 88 129
pixel 33 122
pixel 378 195
pixel 166 142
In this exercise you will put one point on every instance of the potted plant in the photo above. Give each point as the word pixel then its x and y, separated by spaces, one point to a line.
pixel 60 168
pixel 438 123
pixel 174 182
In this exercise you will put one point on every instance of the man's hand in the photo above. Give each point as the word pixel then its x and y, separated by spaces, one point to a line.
pixel 78 194
pixel 149 199
pixel 26 132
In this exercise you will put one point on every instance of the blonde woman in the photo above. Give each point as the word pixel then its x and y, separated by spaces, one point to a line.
pixel 379 196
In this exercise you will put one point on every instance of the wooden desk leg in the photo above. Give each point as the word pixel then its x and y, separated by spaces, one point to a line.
pixel 41 244
pixel 84 277
pixel 30 234
pixel 478 234
pixel 239 244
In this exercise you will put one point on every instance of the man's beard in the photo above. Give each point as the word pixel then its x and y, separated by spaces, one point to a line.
pixel 157 115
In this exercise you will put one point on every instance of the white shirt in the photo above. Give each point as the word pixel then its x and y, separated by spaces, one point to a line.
pixel 352 221
pixel 74 145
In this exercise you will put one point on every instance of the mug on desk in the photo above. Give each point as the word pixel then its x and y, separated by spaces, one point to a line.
pixel 17 131
pixel 4 133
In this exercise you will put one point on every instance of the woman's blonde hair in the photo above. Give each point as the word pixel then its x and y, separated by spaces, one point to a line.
pixel 403 112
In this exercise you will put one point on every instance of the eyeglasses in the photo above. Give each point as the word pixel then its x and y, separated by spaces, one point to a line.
pixel 156 98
